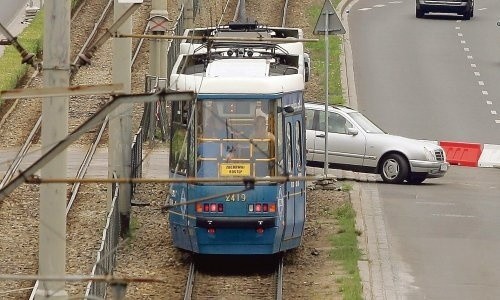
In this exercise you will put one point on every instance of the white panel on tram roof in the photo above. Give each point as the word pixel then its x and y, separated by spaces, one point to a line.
pixel 239 68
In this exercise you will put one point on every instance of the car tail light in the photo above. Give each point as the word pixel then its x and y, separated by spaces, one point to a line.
pixel 260 230
pixel 265 207
pixel 250 207
pixel 213 207
pixel 258 207
pixel 206 207
pixel 199 207
pixel 220 207
pixel 272 207
pixel 211 230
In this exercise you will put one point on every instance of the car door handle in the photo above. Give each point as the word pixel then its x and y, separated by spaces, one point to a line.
pixel 322 135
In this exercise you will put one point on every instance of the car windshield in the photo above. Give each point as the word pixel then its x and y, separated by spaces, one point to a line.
pixel 365 123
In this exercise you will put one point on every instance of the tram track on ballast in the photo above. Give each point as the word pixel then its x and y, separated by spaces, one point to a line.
pixel 234 277
pixel 228 277
pixel 85 214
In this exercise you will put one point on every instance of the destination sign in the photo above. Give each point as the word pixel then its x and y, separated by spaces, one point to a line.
pixel 234 169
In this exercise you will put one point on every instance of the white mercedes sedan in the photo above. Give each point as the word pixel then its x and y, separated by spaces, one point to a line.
pixel 356 144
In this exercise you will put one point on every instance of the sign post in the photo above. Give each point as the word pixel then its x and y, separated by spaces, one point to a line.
pixel 328 23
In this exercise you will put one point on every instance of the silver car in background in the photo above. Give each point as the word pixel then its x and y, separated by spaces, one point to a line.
pixel 356 144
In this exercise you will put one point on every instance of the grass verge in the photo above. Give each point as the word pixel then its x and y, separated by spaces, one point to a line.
pixel 317 49
pixel 346 252
pixel 345 244
pixel 30 39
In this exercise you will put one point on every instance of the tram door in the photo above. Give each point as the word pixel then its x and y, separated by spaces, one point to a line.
pixel 294 164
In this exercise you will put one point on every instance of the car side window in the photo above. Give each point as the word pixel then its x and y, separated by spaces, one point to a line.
pixel 310 119
pixel 337 123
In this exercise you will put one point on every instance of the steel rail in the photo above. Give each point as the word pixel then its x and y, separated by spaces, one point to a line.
pixel 279 278
pixel 188 290
pixel 82 170
pixel 284 14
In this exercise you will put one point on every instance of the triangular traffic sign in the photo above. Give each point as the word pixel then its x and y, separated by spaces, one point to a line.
pixel 334 24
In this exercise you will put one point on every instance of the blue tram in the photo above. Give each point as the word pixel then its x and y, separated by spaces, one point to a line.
pixel 247 121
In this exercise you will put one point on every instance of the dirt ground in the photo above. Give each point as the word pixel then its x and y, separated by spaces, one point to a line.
pixel 310 273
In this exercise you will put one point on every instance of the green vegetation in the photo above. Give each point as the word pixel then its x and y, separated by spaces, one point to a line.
pixel 317 51
pixel 10 63
pixel 345 244
pixel 30 39
pixel 345 251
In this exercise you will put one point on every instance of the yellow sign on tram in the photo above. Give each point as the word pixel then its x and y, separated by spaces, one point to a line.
pixel 234 169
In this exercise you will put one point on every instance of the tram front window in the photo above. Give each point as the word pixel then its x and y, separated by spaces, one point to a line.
pixel 235 138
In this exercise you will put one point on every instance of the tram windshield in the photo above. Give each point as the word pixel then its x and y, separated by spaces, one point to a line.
pixel 235 137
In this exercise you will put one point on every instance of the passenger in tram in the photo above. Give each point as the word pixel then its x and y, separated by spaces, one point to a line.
pixel 263 146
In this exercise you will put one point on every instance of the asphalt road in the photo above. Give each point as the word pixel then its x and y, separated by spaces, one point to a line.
pixel 419 77
pixel 433 78
pixel 10 9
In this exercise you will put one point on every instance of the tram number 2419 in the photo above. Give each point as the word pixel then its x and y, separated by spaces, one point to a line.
pixel 236 197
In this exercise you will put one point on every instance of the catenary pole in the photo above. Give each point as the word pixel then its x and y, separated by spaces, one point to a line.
pixel 188 14
pixel 327 63
pixel 56 70
pixel 120 120
pixel 158 20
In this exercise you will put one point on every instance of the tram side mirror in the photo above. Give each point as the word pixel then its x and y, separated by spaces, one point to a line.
pixel 498 23
pixel 307 67
pixel 286 109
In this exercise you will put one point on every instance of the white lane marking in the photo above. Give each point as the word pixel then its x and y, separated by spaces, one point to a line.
pixel 466 49
pixel 470 57
pixel 493 112
pixel 484 8
pixel 497 121
pixel 453 216
pixel 436 203
pixel 460 34
pixel 477 73
pixel 473 65
pixel 489 102
pixel 462 42
pixel 459 21
pixel 365 8
pixel 485 92
pixel 379 5
pixel 481 82
pixel 395 2
pixel 457 28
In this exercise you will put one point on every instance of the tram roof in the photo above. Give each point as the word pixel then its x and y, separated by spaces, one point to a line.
pixel 237 84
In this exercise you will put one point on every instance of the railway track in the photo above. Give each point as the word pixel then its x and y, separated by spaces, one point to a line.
pixel 235 278
pixel 89 211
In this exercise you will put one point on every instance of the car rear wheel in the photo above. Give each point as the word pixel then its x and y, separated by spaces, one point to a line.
pixel 416 178
pixel 419 13
pixel 394 169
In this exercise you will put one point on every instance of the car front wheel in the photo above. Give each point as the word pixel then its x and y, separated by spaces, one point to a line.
pixel 416 178
pixel 394 169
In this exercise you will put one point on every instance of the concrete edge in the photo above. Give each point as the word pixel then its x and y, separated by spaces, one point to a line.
pixel 349 91
pixel 360 226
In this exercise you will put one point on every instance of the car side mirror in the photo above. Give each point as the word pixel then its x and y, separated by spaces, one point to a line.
pixel 352 131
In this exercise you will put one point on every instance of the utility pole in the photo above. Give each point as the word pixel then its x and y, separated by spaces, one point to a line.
pixel 188 14
pixel 158 20
pixel 328 23
pixel 56 70
pixel 120 120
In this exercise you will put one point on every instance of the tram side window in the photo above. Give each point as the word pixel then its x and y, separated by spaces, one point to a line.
pixel 279 140
pixel 289 146
pixel 298 145
pixel 179 138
